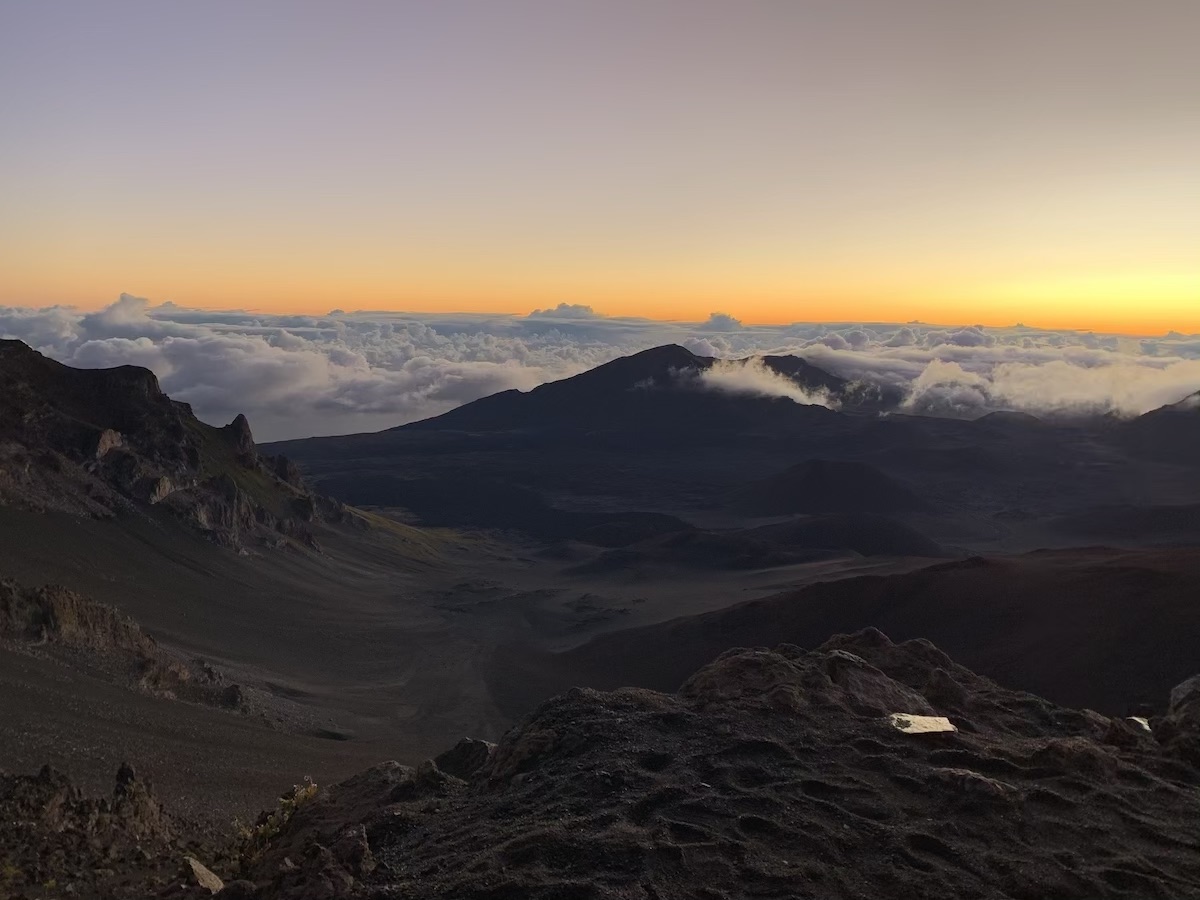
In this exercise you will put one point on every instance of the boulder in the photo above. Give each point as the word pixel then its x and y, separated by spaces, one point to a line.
pixel 1179 729
pixel 1184 706
pixel 109 439
pixel 869 691
pixel 204 876
pixel 465 758
pixel 160 488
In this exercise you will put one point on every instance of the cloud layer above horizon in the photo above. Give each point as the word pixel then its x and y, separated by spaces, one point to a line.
pixel 296 375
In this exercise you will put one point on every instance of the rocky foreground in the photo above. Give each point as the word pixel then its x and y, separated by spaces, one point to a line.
pixel 771 773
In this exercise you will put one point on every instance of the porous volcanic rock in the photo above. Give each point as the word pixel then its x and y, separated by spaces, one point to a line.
pixel 772 773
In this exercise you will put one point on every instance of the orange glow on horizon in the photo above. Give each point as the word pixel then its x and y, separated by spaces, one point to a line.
pixel 1131 304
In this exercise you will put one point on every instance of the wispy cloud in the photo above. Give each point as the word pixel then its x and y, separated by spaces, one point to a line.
pixel 749 377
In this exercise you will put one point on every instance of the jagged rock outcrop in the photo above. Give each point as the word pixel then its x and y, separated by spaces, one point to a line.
pixel 56 841
pixel 109 641
pixel 241 438
pixel 103 442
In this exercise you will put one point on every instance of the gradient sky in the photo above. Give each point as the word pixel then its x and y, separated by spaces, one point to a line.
pixel 783 160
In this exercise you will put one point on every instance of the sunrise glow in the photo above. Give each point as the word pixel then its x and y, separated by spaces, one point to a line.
pixel 798 162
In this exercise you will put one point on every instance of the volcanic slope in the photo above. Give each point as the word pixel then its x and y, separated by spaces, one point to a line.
pixel 171 594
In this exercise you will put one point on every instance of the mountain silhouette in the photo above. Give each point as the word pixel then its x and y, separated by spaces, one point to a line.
pixel 1170 433
pixel 656 390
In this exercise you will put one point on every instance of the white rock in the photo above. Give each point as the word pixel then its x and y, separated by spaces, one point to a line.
pixel 1140 720
pixel 205 877
pixel 914 724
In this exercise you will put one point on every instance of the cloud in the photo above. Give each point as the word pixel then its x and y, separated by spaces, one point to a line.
pixel 750 377
pixel 710 346
pixel 967 337
pixel 565 311
pixel 1049 375
pixel 904 337
pixel 1057 387
pixel 720 321
pixel 834 341
pixel 300 375
pixel 857 339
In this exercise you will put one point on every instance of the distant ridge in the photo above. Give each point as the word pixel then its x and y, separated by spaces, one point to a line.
pixel 1170 433
pixel 651 384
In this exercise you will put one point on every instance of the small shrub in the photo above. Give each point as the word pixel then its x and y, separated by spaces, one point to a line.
pixel 256 839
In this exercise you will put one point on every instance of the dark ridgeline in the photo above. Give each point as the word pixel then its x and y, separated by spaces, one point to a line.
pixel 654 393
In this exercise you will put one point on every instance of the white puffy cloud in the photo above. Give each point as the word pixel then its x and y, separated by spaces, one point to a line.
pixel 1055 387
pixel 974 336
pixel 834 341
pixel 565 311
pixel 712 347
pixel 299 375
pixel 972 371
pixel 904 337
pixel 720 321
pixel 857 339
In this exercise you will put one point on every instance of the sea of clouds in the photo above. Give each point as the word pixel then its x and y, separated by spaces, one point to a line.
pixel 296 375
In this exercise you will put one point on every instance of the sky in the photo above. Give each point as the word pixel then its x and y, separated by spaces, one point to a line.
pixel 983 162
